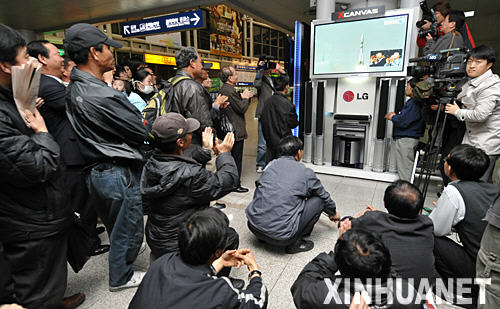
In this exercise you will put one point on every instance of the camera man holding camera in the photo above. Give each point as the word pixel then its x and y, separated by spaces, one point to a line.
pixel 480 97
pixel 430 20
pixel 452 38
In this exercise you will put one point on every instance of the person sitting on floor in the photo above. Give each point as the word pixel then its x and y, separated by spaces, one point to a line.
pixel 462 207
pixel 187 279
pixel 364 263
pixel 288 201
pixel 405 232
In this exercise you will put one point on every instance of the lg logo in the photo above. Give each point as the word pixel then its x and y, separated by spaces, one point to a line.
pixel 348 96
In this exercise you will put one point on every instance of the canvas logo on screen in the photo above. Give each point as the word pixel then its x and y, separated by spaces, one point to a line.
pixel 349 96
pixel 359 13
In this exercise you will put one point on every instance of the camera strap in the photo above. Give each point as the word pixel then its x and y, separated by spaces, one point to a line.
pixel 451 44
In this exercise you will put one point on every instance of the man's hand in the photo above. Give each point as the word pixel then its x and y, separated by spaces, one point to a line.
pixel 451 108
pixel 427 25
pixel 389 115
pixel 345 226
pixel 35 121
pixel 335 218
pixel 429 37
pixel 246 94
pixel 221 101
pixel 360 301
pixel 226 145
pixel 39 102
pixel 246 256
pixel 207 137
pixel 368 208
pixel 227 259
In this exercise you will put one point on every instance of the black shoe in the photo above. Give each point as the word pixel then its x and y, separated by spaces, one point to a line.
pixel 73 301
pixel 100 250
pixel 240 189
pixel 301 245
pixel 237 283
pixel 99 230
pixel 219 206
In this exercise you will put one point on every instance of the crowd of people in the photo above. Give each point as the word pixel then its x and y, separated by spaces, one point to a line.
pixel 116 143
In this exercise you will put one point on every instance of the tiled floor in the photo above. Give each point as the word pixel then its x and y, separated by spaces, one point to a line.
pixel 279 269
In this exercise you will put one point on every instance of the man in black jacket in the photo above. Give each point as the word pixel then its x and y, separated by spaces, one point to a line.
pixel 364 263
pixel 34 217
pixel 175 185
pixel 110 131
pixel 405 232
pixel 278 117
pixel 53 92
pixel 189 97
pixel 192 271
pixel 238 105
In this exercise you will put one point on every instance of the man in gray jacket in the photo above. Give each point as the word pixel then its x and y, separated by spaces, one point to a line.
pixel 452 38
pixel 288 201
pixel 480 97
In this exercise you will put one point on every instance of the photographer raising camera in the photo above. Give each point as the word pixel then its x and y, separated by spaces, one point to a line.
pixel 481 105
pixel 452 38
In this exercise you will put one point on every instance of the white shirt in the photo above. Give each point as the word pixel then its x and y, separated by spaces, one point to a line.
pixel 449 211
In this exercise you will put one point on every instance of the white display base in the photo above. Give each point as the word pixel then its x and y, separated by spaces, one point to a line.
pixel 352 172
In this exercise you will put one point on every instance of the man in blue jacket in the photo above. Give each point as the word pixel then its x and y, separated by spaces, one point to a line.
pixel 409 126
pixel 288 201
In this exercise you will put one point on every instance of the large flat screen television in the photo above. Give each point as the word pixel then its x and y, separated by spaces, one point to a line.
pixel 378 46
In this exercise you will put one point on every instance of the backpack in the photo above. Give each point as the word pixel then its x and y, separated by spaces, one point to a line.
pixel 160 103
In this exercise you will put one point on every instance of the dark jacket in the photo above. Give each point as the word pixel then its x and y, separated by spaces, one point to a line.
pixel 265 90
pixel 409 121
pixel 171 283
pixel 280 196
pixel 175 187
pixel 54 114
pixel 236 110
pixel 450 40
pixel 6 282
pixel 32 204
pixel 310 289
pixel 278 119
pixel 191 101
pixel 107 125
pixel 410 241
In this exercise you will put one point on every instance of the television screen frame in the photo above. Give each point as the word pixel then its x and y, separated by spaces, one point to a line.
pixel 408 53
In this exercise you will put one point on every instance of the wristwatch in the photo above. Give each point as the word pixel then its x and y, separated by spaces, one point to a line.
pixel 253 272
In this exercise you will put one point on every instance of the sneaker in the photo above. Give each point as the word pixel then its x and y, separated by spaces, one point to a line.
pixel 260 169
pixel 135 281
pixel 301 245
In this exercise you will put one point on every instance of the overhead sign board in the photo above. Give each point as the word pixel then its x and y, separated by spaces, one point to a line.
pixel 170 60
pixel 168 23
pixel 360 13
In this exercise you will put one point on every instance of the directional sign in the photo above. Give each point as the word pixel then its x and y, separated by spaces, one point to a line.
pixel 168 23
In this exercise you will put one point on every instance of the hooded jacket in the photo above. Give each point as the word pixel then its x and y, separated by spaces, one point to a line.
pixel 32 202
pixel 175 187
pixel 107 125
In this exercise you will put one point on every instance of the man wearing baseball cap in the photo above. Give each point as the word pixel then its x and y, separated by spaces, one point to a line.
pixel 110 132
pixel 176 185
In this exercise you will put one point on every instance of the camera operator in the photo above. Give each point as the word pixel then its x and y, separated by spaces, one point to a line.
pixel 480 97
pixel 441 10
pixel 452 38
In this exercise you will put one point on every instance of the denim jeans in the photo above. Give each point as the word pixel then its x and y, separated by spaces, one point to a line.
pixel 118 202
pixel 261 148
pixel 488 266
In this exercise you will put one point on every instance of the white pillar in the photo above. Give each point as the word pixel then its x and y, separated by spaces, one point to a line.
pixel 389 4
pixel 324 9
pixel 409 3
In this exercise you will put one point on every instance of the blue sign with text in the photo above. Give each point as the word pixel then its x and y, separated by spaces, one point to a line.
pixel 168 23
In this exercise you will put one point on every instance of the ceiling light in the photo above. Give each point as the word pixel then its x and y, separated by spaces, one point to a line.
pixel 469 13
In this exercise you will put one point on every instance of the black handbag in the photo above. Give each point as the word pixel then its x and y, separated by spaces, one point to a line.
pixel 80 244
pixel 223 124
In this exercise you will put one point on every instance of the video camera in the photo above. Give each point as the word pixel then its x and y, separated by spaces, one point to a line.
pixel 427 14
pixel 267 63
